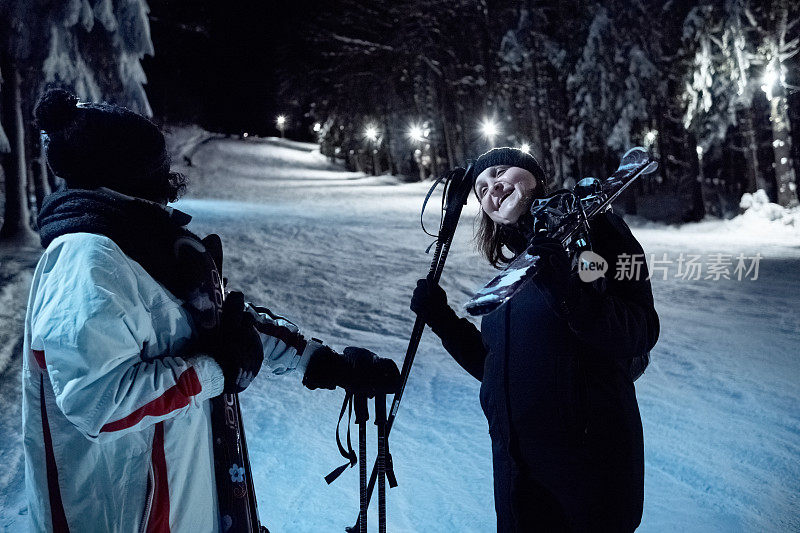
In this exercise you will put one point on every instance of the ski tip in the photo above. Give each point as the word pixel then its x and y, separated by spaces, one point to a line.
pixel 635 150
pixel 483 306
pixel 652 167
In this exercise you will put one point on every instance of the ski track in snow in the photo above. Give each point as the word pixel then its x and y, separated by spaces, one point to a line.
pixel 340 252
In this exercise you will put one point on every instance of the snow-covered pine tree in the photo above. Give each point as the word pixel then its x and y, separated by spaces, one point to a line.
pixel 593 86
pixel 632 110
pixel 669 140
pixel 718 96
pixel 623 89
pixel 528 90
pixel 737 52
pixel 707 93
pixel 728 46
pixel 775 23
pixel 60 43
pixel 113 48
pixel 95 49
pixel 15 230
pixel 17 45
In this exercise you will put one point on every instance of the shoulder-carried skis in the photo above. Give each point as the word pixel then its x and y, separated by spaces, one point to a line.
pixel 564 215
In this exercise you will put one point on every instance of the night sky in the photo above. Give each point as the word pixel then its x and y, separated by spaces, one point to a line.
pixel 220 63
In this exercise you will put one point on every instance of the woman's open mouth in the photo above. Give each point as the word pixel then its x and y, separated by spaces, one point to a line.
pixel 503 199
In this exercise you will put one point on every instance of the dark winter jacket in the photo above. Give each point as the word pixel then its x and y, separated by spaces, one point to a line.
pixel 566 433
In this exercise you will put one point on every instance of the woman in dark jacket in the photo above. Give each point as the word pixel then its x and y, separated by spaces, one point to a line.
pixel 556 365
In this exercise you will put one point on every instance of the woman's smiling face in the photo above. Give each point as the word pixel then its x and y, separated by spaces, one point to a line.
pixel 505 192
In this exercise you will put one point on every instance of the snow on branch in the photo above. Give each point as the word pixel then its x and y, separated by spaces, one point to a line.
pixel 432 64
pixel 361 43
pixel 5 146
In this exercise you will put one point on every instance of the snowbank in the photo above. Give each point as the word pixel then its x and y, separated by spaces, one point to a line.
pixel 759 211
pixel 183 140
pixel 762 227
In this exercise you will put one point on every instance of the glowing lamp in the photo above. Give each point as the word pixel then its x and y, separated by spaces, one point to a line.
pixel 489 128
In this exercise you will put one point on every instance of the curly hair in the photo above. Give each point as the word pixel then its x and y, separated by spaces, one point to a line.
pixel 175 186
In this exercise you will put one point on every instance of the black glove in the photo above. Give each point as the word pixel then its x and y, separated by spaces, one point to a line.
pixel 357 370
pixel 429 302
pixel 240 354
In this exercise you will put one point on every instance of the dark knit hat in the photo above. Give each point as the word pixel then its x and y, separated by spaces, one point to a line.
pixel 510 156
pixel 102 145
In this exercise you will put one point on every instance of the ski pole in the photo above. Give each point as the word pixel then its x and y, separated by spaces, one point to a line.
pixel 456 194
pixel 362 415
pixel 380 421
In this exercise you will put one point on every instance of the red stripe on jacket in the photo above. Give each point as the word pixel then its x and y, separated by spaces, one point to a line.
pixel 39 356
pixel 158 521
pixel 57 515
pixel 176 397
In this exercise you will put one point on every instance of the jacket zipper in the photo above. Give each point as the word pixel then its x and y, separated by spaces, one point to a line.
pixel 148 505
pixel 510 444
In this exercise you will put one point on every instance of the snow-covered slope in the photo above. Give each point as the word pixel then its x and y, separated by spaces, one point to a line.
pixel 340 253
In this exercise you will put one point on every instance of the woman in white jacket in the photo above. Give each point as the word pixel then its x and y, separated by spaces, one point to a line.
pixel 127 337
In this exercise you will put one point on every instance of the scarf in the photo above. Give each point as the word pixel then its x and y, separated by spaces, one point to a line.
pixel 151 234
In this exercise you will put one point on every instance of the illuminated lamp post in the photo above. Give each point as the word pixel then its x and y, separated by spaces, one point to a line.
pixel 490 130
pixel 371 134
pixel 281 123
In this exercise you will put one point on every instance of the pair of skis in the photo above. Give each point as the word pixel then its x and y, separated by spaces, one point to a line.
pixel 236 494
pixel 236 498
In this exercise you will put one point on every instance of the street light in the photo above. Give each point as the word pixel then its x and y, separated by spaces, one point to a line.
pixel 418 134
pixel 371 132
pixel 525 147
pixel 281 122
pixel 415 133
pixel 489 129
pixel 317 127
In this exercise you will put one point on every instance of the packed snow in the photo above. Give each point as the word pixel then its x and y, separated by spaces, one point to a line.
pixel 340 252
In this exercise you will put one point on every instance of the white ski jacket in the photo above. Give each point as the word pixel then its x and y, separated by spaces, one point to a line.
pixel 116 417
